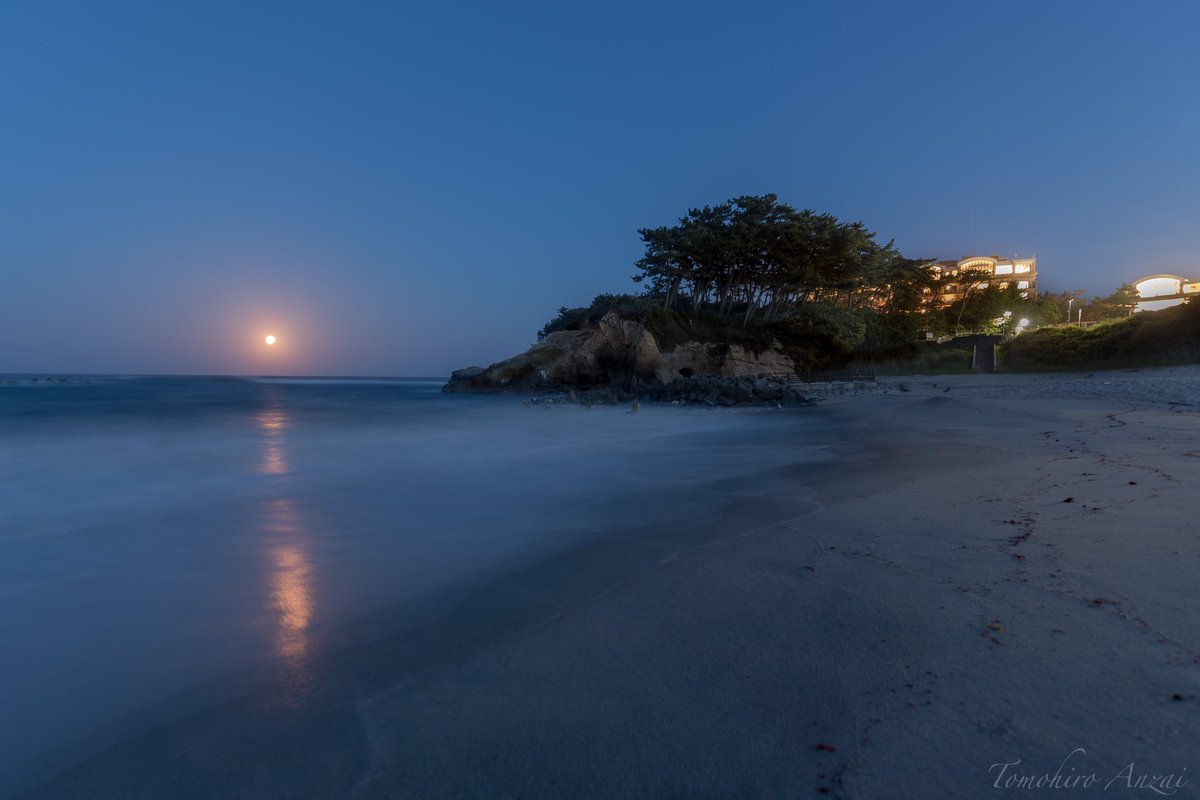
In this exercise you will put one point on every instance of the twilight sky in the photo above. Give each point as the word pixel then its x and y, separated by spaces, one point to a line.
pixel 405 188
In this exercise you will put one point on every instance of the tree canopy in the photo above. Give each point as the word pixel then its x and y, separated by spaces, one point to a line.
pixel 757 257
pixel 1118 305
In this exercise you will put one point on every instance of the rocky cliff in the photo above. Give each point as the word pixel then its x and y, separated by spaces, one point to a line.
pixel 619 353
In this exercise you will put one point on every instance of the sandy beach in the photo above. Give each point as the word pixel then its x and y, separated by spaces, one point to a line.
pixel 996 587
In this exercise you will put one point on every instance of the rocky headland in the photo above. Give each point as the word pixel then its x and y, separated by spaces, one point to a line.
pixel 620 359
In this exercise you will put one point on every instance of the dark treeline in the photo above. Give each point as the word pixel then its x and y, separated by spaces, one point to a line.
pixel 1118 305
pixel 755 271
pixel 756 257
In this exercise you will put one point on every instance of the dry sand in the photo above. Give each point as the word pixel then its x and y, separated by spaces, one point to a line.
pixel 1007 571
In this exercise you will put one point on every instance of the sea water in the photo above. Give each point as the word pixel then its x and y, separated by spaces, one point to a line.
pixel 160 534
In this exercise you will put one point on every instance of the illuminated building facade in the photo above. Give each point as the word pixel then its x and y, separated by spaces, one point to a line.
pixel 1002 273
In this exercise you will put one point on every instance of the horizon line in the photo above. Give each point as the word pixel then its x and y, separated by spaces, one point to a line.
pixel 213 375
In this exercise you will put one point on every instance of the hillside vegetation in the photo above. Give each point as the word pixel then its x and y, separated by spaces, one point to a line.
pixel 1170 336
pixel 758 273
pixel 815 336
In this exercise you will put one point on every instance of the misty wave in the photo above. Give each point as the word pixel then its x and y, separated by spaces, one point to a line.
pixel 161 533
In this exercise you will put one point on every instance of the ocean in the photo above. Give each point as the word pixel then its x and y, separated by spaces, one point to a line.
pixel 166 542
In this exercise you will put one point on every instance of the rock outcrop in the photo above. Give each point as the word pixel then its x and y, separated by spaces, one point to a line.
pixel 619 354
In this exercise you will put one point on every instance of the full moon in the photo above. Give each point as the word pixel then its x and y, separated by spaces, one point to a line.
pixel 270 340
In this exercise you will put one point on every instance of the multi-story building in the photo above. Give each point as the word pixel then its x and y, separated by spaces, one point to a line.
pixel 1001 273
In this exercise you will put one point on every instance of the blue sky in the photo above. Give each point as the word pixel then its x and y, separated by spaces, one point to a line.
pixel 406 188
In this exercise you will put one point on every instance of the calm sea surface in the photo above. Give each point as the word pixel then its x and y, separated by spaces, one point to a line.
pixel 162 534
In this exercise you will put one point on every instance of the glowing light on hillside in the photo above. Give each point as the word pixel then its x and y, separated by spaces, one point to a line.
pixel 270 340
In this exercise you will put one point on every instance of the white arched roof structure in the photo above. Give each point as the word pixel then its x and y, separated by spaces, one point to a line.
pixel 1164 285
pixel 1163 279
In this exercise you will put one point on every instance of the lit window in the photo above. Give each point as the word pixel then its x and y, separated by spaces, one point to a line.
pixel 1004 285
pixel 983 286
pixel 1004 269
pixel 1022 268
pixel 1022 284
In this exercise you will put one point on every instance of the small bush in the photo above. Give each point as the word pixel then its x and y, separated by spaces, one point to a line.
pixel 574 319
pixel 673 328
pixel 822 337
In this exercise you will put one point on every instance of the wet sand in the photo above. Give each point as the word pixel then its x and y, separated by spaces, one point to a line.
pixel 995 576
